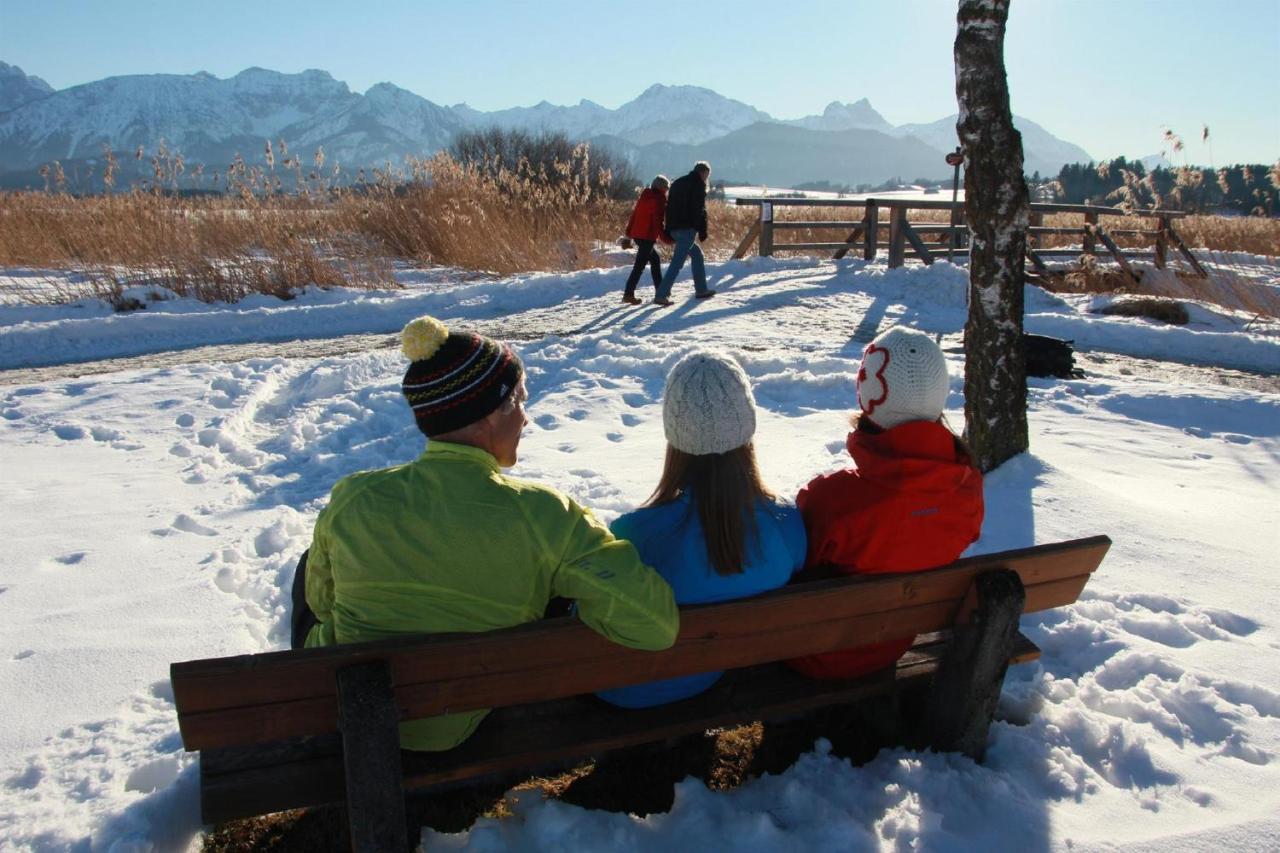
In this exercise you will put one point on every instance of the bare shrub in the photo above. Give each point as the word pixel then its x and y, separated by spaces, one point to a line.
pixel 1162 310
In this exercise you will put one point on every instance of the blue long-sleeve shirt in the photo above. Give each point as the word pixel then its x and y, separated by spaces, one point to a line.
pixel 669 537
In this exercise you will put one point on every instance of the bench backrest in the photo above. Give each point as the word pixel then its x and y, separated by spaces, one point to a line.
pixel 264 697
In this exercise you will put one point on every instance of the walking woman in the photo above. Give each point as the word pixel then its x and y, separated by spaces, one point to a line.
pixel 712 528
pixel 645 228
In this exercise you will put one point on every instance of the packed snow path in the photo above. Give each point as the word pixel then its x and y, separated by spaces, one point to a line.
pixel 154 514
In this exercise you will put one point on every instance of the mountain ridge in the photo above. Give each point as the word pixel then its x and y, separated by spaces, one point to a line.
pixel 211 120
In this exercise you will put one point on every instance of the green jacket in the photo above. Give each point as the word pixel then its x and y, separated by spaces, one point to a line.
pixel 448 543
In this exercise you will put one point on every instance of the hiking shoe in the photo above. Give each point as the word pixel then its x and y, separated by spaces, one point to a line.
pixel 662 302
pixel 706 294
pixel 631 300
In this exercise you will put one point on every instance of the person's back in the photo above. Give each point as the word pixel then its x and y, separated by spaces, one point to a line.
pixel 711 529
pixel 687 203
pixel 449 543
pixel 913 501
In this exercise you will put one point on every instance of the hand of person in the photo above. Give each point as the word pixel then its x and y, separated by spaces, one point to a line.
pixel 666 237
pixel 702 236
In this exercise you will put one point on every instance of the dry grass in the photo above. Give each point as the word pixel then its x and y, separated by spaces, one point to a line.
pixel 495 220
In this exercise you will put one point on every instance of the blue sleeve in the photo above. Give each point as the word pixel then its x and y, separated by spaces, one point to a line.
pixel 793 534
pixel 624 527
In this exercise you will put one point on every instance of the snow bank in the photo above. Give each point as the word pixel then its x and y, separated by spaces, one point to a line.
pixel 156 515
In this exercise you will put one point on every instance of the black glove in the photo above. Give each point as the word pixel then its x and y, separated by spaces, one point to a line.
pixel 702 236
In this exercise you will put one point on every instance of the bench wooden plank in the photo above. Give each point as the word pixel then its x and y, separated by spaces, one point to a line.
pixel 259 698
pixel 300 772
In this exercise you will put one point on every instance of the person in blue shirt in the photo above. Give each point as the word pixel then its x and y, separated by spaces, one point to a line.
pixel 712 529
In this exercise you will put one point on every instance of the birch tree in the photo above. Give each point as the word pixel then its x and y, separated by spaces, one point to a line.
pixel 997 211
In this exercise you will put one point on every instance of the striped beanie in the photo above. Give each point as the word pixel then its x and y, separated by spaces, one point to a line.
pixel 454 378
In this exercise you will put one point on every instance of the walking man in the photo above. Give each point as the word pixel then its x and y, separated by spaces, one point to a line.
pixel 687 221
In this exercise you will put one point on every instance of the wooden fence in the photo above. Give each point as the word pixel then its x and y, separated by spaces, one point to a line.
pixel 949 240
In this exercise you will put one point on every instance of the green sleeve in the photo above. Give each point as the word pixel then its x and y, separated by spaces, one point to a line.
pixel 320 580
pixel 617 594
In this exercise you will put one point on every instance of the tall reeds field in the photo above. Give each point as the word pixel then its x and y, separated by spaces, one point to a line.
pixel 486 216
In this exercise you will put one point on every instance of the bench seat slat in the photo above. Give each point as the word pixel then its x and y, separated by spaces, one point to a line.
pixel 264 697
pixel 239 782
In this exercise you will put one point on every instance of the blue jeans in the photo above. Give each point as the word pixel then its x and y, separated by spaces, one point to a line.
pixel 686 247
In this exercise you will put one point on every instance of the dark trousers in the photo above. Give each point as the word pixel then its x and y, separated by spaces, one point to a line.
pixel 303 618
pixel 646 253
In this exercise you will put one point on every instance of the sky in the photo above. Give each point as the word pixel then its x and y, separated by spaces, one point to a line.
pixel 1108 75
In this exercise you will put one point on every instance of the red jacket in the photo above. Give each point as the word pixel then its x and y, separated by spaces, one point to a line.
pixel 646 219
pixel 913 502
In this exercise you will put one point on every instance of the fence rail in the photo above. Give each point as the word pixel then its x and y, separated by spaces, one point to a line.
pixel 900 234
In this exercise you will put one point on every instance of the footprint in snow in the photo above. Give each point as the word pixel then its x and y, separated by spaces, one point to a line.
pixel 631 420
pixel 67 432
pixel 72 558
pixel 1236 438
pixel 614 436
pixel 187 524
pixel 578 414
pixel 547 421
pixel 24 654
pixel 186 419
pixel 635 401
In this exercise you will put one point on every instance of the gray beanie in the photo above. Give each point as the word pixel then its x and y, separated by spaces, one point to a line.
pixel 707 406
pixel 903 377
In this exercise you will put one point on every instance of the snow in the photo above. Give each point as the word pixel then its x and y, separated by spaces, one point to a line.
pixel 154 514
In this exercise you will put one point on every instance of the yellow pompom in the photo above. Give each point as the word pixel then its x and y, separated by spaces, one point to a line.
pixel 422 337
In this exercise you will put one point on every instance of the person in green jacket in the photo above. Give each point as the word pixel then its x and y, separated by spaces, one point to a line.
pixel 450 543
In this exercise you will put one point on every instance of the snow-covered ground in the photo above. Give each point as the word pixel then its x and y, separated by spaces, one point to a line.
pixel 154 514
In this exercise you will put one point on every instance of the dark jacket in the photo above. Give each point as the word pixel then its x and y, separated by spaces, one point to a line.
pixel 687 204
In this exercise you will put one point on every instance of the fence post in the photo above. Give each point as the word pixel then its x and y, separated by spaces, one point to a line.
pixel 872 220
pixel 766 229
pixel 1090 241
pixel 897 235
pixel 1162 241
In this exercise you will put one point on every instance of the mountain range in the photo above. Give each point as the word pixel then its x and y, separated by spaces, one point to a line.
pixel 666 128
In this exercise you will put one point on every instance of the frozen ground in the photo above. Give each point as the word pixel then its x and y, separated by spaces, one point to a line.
pixel 154 513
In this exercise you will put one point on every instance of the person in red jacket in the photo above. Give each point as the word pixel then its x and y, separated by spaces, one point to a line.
pixel 645 228
pixel 913 499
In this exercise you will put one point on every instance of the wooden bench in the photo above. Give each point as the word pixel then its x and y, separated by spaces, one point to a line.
pixel 291 729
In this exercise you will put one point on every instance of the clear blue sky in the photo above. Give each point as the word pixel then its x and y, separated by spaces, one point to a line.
pixel 1105 74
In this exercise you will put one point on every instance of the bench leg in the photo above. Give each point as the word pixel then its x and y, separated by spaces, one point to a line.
pixel 962 698
pixel 371 754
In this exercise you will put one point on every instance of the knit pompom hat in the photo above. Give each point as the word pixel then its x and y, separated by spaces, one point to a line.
pixel 454 378
pixel 903 378
pixel 707 406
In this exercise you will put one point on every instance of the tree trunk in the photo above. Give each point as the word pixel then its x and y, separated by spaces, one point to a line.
pixel 997 212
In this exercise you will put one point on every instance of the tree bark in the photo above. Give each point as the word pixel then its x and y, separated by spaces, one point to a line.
pixel 997 212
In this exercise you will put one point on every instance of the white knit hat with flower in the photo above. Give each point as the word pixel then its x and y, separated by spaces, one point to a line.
pixel 707 406
pixel 903 377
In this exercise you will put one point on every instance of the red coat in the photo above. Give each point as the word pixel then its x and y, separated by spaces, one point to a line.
pixel 913 502
pixel 646 219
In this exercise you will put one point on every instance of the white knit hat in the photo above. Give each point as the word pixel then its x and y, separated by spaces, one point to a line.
pixel 707 406
pixel 903 377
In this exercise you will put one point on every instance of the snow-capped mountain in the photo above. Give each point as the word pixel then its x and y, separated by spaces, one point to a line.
pixel 211 121
pixel 207 119
pixel 838 116
pixel 1041 151
pixel 17 88
pixel 681 114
